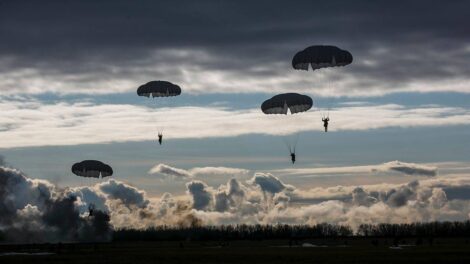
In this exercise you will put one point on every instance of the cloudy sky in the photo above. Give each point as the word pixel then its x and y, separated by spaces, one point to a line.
pixel 400 112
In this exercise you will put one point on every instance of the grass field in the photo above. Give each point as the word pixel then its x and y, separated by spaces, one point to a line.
pixel 312 251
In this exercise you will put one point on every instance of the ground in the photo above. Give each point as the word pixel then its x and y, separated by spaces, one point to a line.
pixel 308 251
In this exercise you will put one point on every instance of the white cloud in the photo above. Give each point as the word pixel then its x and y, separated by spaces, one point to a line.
pixel 263 200
pixel 425 200
pixel 170 171
pixel 32 123
pixel 177 173
pixel 199 72
pixel 408 168
pixel 392 166
pixel 218 171
pixel 268 183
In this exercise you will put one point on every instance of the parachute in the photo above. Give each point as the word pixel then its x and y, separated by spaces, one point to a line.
pixel 320 56
pixel 159 89
pixel 281 103
pixel 284 103
pixel 92 169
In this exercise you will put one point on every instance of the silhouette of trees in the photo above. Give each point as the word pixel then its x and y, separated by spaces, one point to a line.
pixel 234 232
pixel 293 232
pixel 431 229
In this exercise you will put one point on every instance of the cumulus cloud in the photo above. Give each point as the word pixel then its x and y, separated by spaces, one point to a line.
pixel 397 197
pixel 361 197
pixel 37 207
pixel 268 183
pixel 271 201
pixel 229 196
pixel 201 195
pixel 126 194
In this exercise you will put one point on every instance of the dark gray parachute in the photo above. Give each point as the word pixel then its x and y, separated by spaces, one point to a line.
pixel 92 169
pixel 280 103
pixel 159 89
pixel 320 56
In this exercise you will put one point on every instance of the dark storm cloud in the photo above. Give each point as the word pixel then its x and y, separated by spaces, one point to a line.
pixel 400 196
pixel 201 196
pixel 77 26
pixel 392 41
pixel 36 211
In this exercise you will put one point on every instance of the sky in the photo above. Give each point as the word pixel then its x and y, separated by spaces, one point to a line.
pixel 399 113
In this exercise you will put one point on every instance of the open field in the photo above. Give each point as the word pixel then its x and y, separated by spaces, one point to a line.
pixel 312 251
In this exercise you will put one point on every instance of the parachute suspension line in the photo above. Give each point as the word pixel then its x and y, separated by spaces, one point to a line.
pixel 162 118
pixel 295 141
pixel 291 142
pixel 333 86
pixel 321 76
pixel 328 102
pixel 155 119
pixel 324 84
pixel 154 116
pixel 325 113
pixel 150 104
pixel 286 141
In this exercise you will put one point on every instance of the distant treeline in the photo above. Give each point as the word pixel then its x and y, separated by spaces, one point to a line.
pixel 431 229
pixel 269 232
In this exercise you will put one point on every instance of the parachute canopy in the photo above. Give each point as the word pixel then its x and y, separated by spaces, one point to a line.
pixel 159 89
pixel 293 101
pixel 320 56
pixel 92 168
